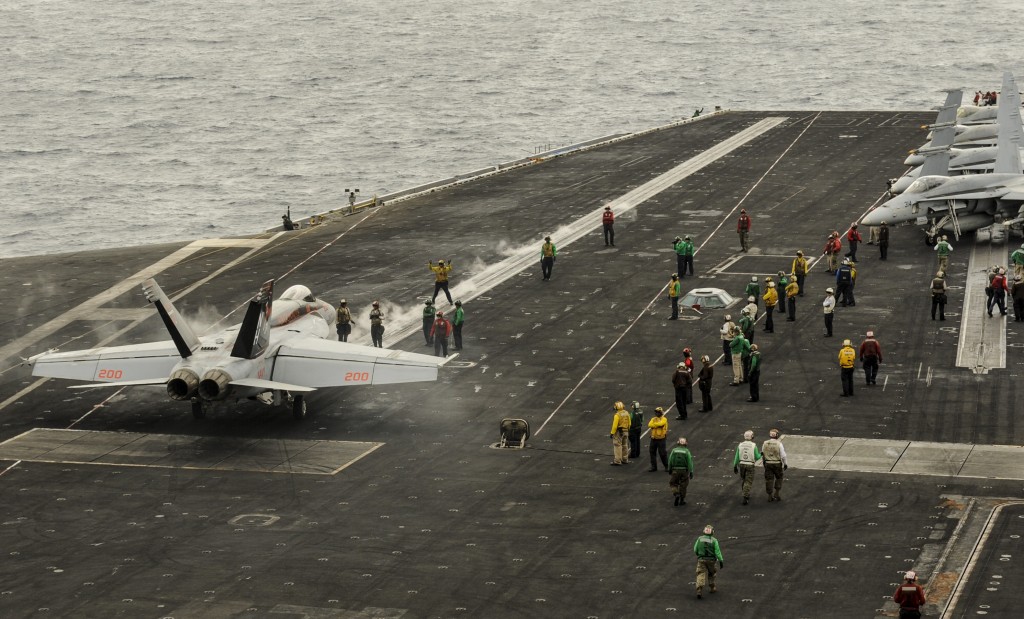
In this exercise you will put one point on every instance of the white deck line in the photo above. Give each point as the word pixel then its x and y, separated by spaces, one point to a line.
pixel 528 255
pixel 982 345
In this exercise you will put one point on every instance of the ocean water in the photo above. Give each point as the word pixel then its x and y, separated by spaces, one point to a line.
pixel 128 122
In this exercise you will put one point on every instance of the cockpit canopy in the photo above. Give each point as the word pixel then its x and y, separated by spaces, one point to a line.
pixel 926 183
pixel 298 293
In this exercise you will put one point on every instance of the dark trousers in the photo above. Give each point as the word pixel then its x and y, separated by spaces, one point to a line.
pixel 457 333
pixel 1018 310
pixel 849 294
pixel 680 265
pixel 657 450
pixel 681 401
pixel 883 249
pixel 791 306
pixel 689 394
pixel 609 234
pixel 746 367
pixel 675 306
pixel 439 286
pixel 634 442
pixel 440 345
pixel 343 331
pixel 727 360
pixel 870 369
pixel 545 266
pixel 687 266
pixel 800 282
pixel 846 374
pixel 828 323
pixel 679 481
pixel 427 323
pixel 941 305
pixel 753 379
pixel 769 324
pixel 377 335
pixel 705 398
pixel 843 293
pixel 998 298
pixel 749 335
pixel 853 250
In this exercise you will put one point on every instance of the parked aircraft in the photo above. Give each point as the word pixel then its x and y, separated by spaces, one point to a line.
pixel 969 202
pixel 278 353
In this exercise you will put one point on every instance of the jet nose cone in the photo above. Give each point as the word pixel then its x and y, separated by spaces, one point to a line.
pixel 875 217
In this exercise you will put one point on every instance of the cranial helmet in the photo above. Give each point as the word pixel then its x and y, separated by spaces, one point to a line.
pixel 773 433
pixel 682 441
pixel 636 405
pixel 709 530
pixel 750 299
pixel 829 290
pixel 749 434
pixel 659 410
pixel 619 406
pixel 428 302
pixel 753 278
pixel 705 359
pixel 686 351
pixel 911 576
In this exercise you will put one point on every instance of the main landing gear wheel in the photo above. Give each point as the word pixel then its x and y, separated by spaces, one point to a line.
pixel 298 407
pixel 197 409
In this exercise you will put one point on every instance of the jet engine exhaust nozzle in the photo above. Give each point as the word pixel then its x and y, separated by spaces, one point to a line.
pixel 182 384
pixel 214 385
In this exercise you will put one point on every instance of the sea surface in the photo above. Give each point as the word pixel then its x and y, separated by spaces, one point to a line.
pixel 126 122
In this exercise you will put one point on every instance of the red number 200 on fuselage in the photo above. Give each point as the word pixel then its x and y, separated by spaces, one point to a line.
pixel 357 376
pixel 111 374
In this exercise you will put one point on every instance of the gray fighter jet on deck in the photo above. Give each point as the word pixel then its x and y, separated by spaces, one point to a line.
pixel 278 353
pixel 966 203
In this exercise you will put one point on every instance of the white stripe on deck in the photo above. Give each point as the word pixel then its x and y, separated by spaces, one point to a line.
pixel 982 345
pixel 529 256
pixel 835 453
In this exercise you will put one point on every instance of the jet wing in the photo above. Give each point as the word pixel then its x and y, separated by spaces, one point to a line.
pixel 327 363
pixel 136 362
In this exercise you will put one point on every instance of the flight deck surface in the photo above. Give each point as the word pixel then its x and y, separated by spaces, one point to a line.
pixel 423 517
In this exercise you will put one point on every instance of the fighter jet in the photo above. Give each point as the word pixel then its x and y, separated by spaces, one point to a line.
pixel 965 203
pixel 277 354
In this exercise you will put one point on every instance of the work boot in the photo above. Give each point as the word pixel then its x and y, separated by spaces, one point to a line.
pixel 676 502
pixel 777 497
pixel 771 498
pixel 698 593
pixel 746 500
pixel 713 588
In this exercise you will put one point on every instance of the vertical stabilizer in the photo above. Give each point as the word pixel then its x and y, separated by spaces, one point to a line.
pixel 936 161
pixel 254 333
pixel 185 339
pixel 947 113
pixel 1008 118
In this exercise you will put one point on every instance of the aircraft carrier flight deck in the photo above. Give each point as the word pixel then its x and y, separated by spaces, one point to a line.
pixel 392 501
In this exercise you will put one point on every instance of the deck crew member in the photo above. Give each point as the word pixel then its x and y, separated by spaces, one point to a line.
pixel 747 454
pixel 440 333
pixel 441 271
pixel 684 256
pixel 682 382
pixel 608 222
pixel 883 241
pixel 792 290
pixel 636 428
pixel 753 289
pixel 942 250
pixel 999 290
pixel 674 289
pixel 620 435
pixel 659 431
pixel 344 321
pixel 771 299
pixel 708 554
pixel 739 347
pixel 853 238
pixel 680 464
pixel 726 334
pixel 828 307
pixel 743 229
pixel 1017 294
pixel 548 253
pixel 747 324
pixel 1017 259
pixel 429 313
pixel 457 322
pixel 774 460
pixel 847 356
pixel 844 281
pixel 800 270
pixel 939 289
pixel 754 374
pixel 870 357
pixel 831 251
pixel 910 597
pixel 377 325
pixel 704 378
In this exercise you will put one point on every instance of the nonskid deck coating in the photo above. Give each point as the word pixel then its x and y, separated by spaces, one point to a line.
pixel 436 524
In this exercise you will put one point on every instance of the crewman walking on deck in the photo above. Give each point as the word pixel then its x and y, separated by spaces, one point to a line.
pixel 457 322
pixel 377 325
pixel 852 239
pixel 636 428
pixel 608 221
pixel 883 241
pixel 831 251
pixel 870 357
pixel 344 321
pixel 844 280
pixel 680 465
pixel 726 333
pixel 440 333
pixel 771 299
pixel 743 229
pixel 747 454
pixel 548 253
pixel 441 272
pixel 709 560
pixel 999 290
pixel 799 270
pixel 775 463
pixel 428 320
pixel 792 290
pixel 847 357
pixel 682 382
pixel 753 289
pixel 1017 294
pixel 659 433
pixel 942 250
pixel 1017 259
pixel 754 374
pixel 688 363
pixel 674 289
pixel 620 435
pixel 828 307
pixel 707 373
pixel 910 597
pixel 939 289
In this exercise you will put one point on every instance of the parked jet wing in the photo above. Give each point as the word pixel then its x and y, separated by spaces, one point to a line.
pixel 327 363
pixel 134 362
